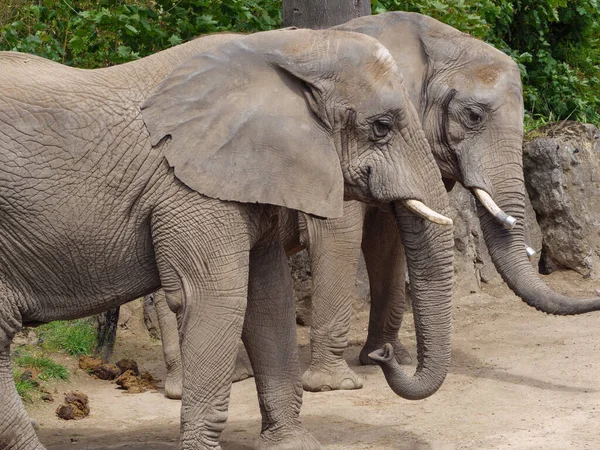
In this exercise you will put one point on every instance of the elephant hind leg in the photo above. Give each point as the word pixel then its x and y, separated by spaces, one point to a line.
pixel 270 338
pixel 334 249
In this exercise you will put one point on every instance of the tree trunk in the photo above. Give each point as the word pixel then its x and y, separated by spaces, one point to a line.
pixel 319 14
pixel 107 333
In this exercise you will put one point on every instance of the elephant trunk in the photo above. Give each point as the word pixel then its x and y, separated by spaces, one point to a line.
pixel 429 256
pixel 507 250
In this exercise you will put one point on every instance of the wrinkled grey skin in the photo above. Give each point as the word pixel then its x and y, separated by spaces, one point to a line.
pixel 172 171
pixel 468 96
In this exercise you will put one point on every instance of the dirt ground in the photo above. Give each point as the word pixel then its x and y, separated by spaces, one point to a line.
pixel 520 379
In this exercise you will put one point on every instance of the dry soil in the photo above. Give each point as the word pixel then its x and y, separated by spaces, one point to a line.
pixel 520 379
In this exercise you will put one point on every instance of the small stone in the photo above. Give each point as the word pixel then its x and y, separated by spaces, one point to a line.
pixel 47 396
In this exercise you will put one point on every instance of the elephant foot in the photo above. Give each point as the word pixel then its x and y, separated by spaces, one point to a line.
pixel 285 439
pixel 339 377
pixel 173 386
pixel 402 355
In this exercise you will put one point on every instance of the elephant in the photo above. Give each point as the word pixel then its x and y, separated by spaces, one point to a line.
pixel 173 172
pixel 469 99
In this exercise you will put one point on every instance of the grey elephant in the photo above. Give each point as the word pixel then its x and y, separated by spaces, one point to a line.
pixel 469 99
pixel 173 170
pixel 468 96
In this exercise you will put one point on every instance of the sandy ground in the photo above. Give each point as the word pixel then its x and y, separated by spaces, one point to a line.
pixel 520 379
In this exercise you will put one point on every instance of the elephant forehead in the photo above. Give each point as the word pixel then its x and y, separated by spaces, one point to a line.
pixel 488 74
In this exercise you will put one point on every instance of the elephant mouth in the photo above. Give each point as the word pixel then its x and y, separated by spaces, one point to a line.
pixel 448 183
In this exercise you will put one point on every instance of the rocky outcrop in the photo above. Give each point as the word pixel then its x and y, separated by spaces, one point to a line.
pixel 562 174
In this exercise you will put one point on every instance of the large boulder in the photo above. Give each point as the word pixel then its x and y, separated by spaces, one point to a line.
pixel 562 174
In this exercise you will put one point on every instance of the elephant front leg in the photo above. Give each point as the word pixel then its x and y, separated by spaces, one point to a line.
pixel 205 279
pixel 386 266
pixel 334 249
pixel 270 338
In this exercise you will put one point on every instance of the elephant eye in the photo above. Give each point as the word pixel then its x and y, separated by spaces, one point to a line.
pixel 381 127
pixel 475 116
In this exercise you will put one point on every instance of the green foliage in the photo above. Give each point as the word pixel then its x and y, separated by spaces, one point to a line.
pixel 89 33
pixel 556 44
pixel 75 337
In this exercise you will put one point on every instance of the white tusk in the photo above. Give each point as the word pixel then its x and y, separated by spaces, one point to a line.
pixel 426 213
pixel 489 204
pixel 530 252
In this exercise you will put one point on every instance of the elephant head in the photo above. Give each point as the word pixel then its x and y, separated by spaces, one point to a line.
pixel 469 98
pixel 303 119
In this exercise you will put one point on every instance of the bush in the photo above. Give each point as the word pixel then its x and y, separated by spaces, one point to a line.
pixel 90 33
pixel 75 337
pixel 556 44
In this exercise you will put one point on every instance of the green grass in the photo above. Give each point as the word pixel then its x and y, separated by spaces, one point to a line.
pixel 45 367
pixel 41 369
pixel 24 387
pixel 75 337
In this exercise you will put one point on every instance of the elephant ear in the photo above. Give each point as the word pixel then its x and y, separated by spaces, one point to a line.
pixel 244 122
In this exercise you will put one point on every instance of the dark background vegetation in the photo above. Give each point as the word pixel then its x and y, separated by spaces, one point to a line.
pixel 555 42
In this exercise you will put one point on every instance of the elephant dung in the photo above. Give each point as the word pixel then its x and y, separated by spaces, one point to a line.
pixel 561 162
pixel 137 384
pixel 75 407
pixel 128 364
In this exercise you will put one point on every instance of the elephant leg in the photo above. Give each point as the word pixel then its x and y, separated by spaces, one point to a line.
pixel 270 338
pixel 167 324
pixel 169 336
pixel 334 249
pixel 386 266
pixel 204 273
pixel 16 431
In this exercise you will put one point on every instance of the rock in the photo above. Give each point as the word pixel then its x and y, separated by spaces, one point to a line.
pixel 75 407
pixel 128 364
pixel 562 174
pixel 47 396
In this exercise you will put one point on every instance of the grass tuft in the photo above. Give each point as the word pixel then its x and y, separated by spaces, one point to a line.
pixel 75 337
